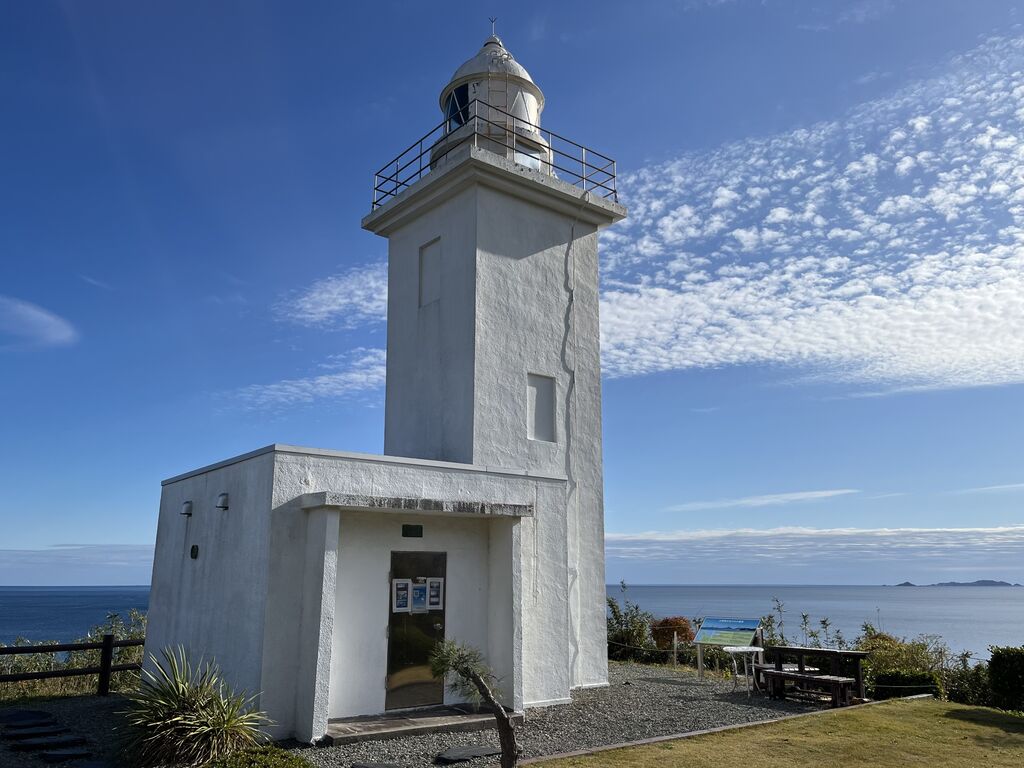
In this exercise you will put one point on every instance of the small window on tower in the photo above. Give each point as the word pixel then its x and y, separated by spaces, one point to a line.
pixel 430 273
pixel 540 407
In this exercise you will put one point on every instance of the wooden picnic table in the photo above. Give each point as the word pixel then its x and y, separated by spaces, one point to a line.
pixel 836 656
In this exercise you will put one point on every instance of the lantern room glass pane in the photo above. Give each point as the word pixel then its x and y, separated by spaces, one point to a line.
pixel 456 110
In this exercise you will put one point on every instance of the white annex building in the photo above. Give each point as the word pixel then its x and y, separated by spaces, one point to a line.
pixel 320 579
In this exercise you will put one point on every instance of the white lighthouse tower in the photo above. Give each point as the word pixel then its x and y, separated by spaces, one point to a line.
pixel 319 580
pixel 493 351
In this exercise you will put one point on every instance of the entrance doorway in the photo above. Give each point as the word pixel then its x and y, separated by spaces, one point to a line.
pixel 416 624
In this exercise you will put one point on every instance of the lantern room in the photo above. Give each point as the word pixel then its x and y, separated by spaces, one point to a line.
pixel 493 96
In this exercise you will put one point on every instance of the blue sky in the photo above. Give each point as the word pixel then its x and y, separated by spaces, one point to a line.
pixel 813 321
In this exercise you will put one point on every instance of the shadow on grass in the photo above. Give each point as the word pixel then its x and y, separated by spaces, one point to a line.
pixel 991 718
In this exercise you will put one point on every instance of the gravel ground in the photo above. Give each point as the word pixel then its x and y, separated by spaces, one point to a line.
pixel 94 717
pixel 640 702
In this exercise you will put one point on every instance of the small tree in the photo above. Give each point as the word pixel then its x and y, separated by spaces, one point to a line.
pixel 471 677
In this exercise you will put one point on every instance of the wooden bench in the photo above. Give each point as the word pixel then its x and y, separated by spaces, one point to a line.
pixel 841 688
pixel 836 658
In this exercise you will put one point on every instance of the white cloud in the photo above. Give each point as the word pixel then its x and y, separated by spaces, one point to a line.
pixel 77 564
pixel 767 500
pixel 355 297
pixel 994 488
pixel 895 257
pixel 27 323
pixel 95 283
pixel 361 370
pixel 795 547
pixel 724 198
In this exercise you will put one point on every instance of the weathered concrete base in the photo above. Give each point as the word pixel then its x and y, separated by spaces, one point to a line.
pixel 350 730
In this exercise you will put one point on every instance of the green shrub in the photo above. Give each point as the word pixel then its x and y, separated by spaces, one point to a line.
pixel 260 757
pixel 629 632
pixel 967 683
pixel 185 716
pixel 662 630
pixel 1006 676
pixel 892 685
pixel 897 667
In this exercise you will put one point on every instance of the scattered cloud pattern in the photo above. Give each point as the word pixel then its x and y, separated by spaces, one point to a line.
pixel 63 564
pixel 884 250
pixel 355 297
pixel 767 500
pixel 967 548
pixel 22 322
pixel 358 371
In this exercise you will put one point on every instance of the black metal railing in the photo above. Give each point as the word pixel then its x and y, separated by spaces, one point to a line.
pixel 482 124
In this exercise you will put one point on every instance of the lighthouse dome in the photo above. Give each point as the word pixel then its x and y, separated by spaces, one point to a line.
pixel 494 76
pixel 492 58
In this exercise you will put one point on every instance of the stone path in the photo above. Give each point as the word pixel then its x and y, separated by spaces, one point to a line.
pixel 28 736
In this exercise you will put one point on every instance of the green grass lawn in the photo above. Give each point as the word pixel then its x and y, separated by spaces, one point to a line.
pixel 897 733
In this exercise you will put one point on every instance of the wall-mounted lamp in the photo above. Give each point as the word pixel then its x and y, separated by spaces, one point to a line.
pixel 222 501
pixel 186 509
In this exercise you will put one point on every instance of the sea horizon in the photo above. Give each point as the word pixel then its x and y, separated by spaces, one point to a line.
pixel 966 618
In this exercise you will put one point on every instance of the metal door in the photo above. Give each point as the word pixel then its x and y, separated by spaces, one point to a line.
pixel 412 635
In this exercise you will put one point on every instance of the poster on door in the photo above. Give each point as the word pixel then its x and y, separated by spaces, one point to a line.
pixel 418 598
pixel 400 595
pixel 435 594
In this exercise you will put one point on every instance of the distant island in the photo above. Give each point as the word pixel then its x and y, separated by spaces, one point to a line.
pixel 978 583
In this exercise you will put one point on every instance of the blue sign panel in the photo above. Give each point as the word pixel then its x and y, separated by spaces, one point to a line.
pixel 727 631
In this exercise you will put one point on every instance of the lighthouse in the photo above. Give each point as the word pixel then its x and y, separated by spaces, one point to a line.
pixel 493 354
pixel 319 579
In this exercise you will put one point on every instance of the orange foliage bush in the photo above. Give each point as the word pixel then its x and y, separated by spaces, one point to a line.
pixel 662 630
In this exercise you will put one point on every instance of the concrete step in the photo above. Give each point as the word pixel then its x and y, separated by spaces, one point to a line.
pixel 26 725
pixel 11 717
pixel 32 733
pixel 51 742
pixel 63 755
pixel 467 753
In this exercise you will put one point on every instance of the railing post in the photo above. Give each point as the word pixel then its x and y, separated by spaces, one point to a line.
pixel 106 660
pixel 583 166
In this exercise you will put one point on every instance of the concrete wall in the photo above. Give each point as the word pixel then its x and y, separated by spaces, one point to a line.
pixel 534 288
pixel 214 605
pixel 537 312
pixel 359 660
pixel 428 410
pixel 504 575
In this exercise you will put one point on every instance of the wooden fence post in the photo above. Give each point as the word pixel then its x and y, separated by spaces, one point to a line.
pixel 700 661
pixel 675 648
pixel 106 660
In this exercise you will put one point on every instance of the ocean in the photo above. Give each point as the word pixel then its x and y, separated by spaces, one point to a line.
pixel 63 614
pixel 967 618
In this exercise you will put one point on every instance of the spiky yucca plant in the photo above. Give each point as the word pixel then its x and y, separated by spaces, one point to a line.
pixel 185 715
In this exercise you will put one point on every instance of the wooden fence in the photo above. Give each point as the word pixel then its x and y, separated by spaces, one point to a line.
pixel 104 670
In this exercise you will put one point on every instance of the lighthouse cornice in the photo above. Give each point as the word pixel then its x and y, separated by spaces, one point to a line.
pixel 469 165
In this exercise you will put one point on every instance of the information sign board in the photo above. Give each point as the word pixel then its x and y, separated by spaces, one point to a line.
pixel 715 631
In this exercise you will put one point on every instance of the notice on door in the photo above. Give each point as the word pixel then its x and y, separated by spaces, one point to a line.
pixel 435 594
pixel 400 595
pixel 418 598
